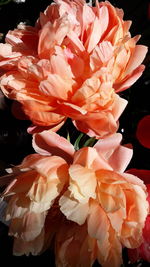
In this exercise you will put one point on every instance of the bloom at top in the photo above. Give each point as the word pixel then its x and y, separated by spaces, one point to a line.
pixel 71 65
pixel 99 206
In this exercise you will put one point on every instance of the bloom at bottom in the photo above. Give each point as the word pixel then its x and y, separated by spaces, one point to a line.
pixel 98 207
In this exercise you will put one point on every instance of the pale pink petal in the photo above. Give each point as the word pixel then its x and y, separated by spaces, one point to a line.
pixel 136 58
pixel 76 41
pixel 88 16
pixel 107 145
pixel 120 159
pixel 94 36
pixel 103 18
pixel 50 143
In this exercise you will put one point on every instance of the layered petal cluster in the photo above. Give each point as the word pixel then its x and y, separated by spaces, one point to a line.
pixel 107 199
pixel 100 208
pixel 71 65
pixel 31 197
pixel 143 251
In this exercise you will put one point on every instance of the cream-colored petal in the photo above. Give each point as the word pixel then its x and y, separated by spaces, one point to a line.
pixel 72 209
pixel 82 183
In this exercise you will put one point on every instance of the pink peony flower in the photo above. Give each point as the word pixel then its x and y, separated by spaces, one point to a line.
pixel 99 206
pixel 71 65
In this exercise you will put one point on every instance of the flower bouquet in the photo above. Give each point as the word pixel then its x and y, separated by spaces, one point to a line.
pixel 73 194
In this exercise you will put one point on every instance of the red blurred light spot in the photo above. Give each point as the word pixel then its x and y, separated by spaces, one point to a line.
pixel 143 131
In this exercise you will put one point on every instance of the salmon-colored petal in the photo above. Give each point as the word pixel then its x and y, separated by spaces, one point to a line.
pixel 89 88
pixel 130 79
pixel 52 35
pixel 117 218
pixel 136 214
pixel 108 203
pixel 40 114
pixel 112 198
pixel 50 143
pixel 114 256
pixel 98 223
pixel 61 67
pixel 56 87
pixel 100 55
pixel 37 129
pixel 72 110
pixel 110 177
pixel 97 124
pixel 118 106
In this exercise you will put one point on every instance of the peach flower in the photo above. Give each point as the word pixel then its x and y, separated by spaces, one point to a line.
pixel 71 64
pixel 101 207
pixel 107 206
pixel 112 203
